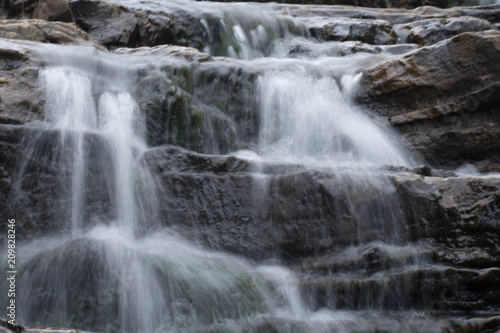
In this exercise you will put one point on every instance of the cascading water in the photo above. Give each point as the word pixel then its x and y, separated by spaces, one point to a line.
pixel 306 114
pixel 116 269
pixel 111 270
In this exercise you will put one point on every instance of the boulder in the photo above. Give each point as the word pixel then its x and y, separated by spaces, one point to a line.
pixel 443 98
pixel 378 32
pixel 45 31
pixel 117 26
pixel 431 31
pixel 53 10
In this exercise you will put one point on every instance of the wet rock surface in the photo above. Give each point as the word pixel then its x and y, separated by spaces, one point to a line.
pixel 186 103
pixel 375 32
pixel 19 99
pixel 442 94
pixel 457 121
pixel 117 26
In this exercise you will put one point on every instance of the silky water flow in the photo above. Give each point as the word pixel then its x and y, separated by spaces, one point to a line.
pixel 111 267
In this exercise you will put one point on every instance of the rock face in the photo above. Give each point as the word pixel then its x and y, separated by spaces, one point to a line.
pixel 443 98
pixel 456 212
pixel 18 74
pixel 207 105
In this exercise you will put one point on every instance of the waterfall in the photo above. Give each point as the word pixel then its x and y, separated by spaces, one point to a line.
pixel 116 270
pixel 307 114
pixel 113 264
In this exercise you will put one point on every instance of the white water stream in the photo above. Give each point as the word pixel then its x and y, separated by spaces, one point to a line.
pixel 117 270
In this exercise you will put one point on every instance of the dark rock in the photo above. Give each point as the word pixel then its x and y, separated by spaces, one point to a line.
pixel 17 193
pixel 173 159
pixel 116 26
pixel 457 212
pixel 174 115
pixel 377 32
pixel 19 96
pixel 20 8
pixel 206 106
pixel 53 10
pixel 366 259
pixel 230 86
pixel 472 257
pixel 431 31
pixel 110 24
pixel 440 288
pixel 6 327
pixel 457 120
pixel 292 214
pixel 35 177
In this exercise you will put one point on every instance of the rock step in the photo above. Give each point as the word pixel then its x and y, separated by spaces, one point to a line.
pixel 437 288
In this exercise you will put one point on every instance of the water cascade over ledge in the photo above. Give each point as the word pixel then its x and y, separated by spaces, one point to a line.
pixel 242 190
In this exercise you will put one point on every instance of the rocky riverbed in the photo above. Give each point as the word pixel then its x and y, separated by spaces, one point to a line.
pixel 420 239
